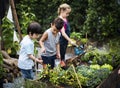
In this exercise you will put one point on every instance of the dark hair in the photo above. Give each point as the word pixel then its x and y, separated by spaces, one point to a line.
pixel 58 22
pixel 34 27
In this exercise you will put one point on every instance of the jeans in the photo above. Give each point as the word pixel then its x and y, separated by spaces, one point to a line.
pixel 27 74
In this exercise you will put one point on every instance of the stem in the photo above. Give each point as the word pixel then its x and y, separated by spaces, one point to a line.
pixel 77 77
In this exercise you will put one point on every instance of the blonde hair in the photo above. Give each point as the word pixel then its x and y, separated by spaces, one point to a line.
pixel 63 7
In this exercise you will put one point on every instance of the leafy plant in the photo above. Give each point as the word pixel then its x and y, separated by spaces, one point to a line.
pixel 58 76
pixel 94 76
pixel 107 66
pixel 34 84
pixel 95 66
pixel 83 41
pixel 26 18
pixel 99 25
pixel 7 32
pixel 88 76
pixel 1 68
pixel 76 36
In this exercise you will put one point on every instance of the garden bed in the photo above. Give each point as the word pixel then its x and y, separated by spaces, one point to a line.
pixel 79 73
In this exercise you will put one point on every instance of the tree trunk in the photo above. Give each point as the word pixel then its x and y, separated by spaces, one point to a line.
pixel 15 18
pixel 5 54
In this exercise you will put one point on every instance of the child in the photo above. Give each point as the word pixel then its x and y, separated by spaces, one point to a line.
pixel 50 43
pixel 63 13
pixel 26 57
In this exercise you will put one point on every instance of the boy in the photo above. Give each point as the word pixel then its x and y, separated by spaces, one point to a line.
pixel 50 43
pixel 26 57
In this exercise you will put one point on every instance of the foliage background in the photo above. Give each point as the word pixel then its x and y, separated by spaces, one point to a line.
pixel 98 18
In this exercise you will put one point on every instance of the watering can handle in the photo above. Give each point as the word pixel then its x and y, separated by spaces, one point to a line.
pixel 75 45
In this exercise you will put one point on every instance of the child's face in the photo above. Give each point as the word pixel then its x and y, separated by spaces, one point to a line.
pixel 54 30
pixel 66 13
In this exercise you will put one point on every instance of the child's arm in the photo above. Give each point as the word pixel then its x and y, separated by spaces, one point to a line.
pixel 58 50
pixel 66 36
pixel 34 58
pixel 41 42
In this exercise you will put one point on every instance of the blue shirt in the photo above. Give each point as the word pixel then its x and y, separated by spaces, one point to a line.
pixel 27 47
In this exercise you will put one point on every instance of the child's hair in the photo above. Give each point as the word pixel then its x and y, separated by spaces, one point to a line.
pixel 63 7
pixel 58 22
pixel 34 27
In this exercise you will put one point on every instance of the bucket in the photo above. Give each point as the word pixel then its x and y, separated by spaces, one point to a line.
pixel 57 62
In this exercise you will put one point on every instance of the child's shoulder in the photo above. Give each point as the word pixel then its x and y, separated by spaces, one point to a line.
pixel 26 40
pixel 65 20
pixel 48 30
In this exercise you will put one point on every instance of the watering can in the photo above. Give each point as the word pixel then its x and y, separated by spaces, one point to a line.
pixel 79 50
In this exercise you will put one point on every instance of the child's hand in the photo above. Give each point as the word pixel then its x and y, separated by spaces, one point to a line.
pixel 58 56
pixel 39 61
pixel 43 50
pixel 73 43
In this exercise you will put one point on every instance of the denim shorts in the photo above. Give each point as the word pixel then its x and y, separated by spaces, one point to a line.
pixel 49 60
pixel 27 74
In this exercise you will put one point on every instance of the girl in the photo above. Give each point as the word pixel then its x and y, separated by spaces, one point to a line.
pixel 63 13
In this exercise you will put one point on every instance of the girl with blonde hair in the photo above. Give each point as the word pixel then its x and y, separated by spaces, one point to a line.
pixel 63 12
